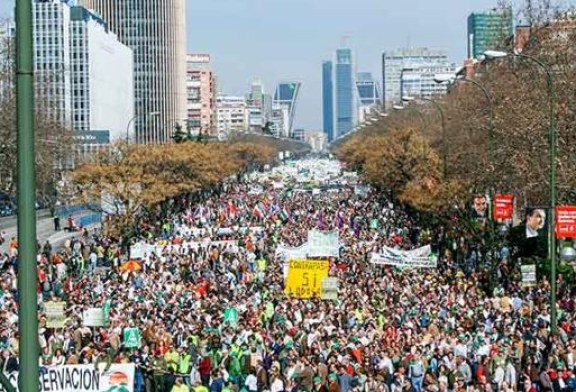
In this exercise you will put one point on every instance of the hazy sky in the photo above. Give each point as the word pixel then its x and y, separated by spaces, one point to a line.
pixel 275 40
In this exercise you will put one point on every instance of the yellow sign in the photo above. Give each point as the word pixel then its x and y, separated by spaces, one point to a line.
pixel 305 277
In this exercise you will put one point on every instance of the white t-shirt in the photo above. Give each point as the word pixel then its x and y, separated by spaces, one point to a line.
pixel 251 383
pixel 277 386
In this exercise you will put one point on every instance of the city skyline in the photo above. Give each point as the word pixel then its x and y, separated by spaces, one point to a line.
pixel 249 42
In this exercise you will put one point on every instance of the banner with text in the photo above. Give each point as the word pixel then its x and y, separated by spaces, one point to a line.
pixel 323 244
pixel 566 222
pixel 83 378
pixel 417 258
pixel 305 277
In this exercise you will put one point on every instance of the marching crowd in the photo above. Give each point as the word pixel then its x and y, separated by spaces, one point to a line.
pixel 390 329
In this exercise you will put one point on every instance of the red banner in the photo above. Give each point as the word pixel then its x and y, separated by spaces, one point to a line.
pixel 566 221
pixel 503 206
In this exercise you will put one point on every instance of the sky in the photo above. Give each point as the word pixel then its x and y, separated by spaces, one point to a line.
pixel 285 40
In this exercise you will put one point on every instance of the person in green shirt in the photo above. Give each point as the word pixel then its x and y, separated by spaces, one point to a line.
pixel 179 386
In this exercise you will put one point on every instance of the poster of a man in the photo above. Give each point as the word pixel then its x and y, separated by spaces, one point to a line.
pixel 480 207
pixel 529 239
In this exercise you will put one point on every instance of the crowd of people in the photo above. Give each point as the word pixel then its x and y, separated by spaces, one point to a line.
pixel 390 329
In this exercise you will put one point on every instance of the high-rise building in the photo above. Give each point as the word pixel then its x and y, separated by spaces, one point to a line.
pixel 489 30
pixel 328 100
pixel 99 64
pixel 200 94
pixel 51 23
pixel 280 119
pixel 345 103
pixel 232 115
pixel 286 95
pixel 77 63
pixel 393 62
pixel 156 32
pixel 418 81
pixel 368 94
pixel 259 107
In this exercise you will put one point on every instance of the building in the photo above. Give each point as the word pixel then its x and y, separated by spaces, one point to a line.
pixel 156 31
pixel 232 115
pixel 52 65
pixel 317 140
pixel 77 63
pixel 99 64
pixel 344 95
pixel 286 95
pixel 489 30
pixel 259 107
pixel 395 61
pixel 299 134
pixel 368 95
pixel 418 81
pixel 328 100
pixel 200 95
pixel 280 119
pixel 7 42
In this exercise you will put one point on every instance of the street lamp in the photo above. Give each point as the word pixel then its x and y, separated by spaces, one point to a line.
pixel 447 78
pixel 495 54
pixel 151 114
pixel 444 137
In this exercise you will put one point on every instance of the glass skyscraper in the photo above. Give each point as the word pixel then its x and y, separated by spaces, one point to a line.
pixel 488 30
pixel 286 95
pixel 327 100
pixel 344 92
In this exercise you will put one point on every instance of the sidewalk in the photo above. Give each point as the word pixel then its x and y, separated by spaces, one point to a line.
pixel 45 231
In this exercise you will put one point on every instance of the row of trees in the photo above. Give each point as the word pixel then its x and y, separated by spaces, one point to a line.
pixel 130 181
pixel 403 152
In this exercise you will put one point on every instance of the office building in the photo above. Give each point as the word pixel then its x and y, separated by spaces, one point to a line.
pixel 99 64
pixel 418 81
pixel 51 23
pixel 286 95
pixel 344 95
pixel 395 61
pixel 328 100
pixel 200 95
pixel 232 115
pixel 77 63
pixel 299 134
pixel 259 107
pixel 368 95
pixel 489 30
pixel 156 31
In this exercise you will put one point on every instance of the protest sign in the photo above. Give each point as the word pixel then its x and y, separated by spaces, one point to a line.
pixel 55 317
pixel 565 221
pixel 416 258
pixel 288 253
pixel 305 277
pixel 94 317
pixel 323 244
pixel 231 316
pixel 528 274
pixel 131 338
pixel 330 288
pixel 83 378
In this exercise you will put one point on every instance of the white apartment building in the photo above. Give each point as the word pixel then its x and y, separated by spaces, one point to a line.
pixel 200 94
pixel 418 81
pixel 232 115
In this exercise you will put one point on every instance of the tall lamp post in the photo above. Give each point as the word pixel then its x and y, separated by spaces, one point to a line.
pixel 444 137
pixel 494 54
pixel 151 114
pixel 451 79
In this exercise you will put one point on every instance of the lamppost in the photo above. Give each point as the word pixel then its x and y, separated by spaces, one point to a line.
pixel 444 138
pixel 151 114
pixel 451 79
pixel 494 54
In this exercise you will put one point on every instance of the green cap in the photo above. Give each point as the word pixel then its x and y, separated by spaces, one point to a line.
pixel 316 379
pixel 332 376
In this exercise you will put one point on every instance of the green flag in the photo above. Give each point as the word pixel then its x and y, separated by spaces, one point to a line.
pixel 131 338
pixel 231 316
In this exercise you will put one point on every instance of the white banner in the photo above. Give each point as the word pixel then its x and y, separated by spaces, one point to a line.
pixel 415 258
pixel 323 244
pixel 83 378
pixel 142 250
pixel 288 253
